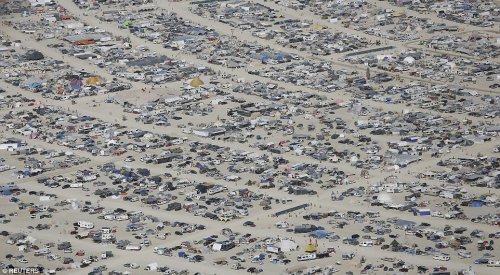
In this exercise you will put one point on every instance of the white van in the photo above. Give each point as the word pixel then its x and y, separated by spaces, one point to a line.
pixel 76 185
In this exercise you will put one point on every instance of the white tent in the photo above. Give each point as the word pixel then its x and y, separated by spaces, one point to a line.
pixel 409 60
pixel 44 198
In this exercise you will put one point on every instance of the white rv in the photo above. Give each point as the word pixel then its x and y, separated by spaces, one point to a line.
pixel 84 224
pixel 133 247
pixel 306 257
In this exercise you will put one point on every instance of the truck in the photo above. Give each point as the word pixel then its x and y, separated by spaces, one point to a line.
pixel 216 189
pixel 282 224
pixel 348 256
pixel 82 235
pixel 151 267
pixel 159 250
pixel 107 254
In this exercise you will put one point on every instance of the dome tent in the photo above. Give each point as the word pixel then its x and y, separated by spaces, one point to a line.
pixel 196 82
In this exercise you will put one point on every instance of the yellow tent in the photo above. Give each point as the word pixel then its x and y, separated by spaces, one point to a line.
pixel 93 80
pixel 317 27
pixel 398 13
pixel 196 82
pixel 310 248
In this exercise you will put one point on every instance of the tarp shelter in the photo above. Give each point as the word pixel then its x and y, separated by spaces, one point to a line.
pixel 148 61
pixel 6 190
pixel 424 212
pixel 233 64
pixel 319 234
pixel 44 198
pixel 76 84
pixel 33 55
pixel 394 243
pixel 297 269
pixel 287 246
pixel 33 82
pixel 476 203
pixel 126 23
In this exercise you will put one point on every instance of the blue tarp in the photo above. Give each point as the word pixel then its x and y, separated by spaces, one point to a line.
pixel 476 203
pixel 6 190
